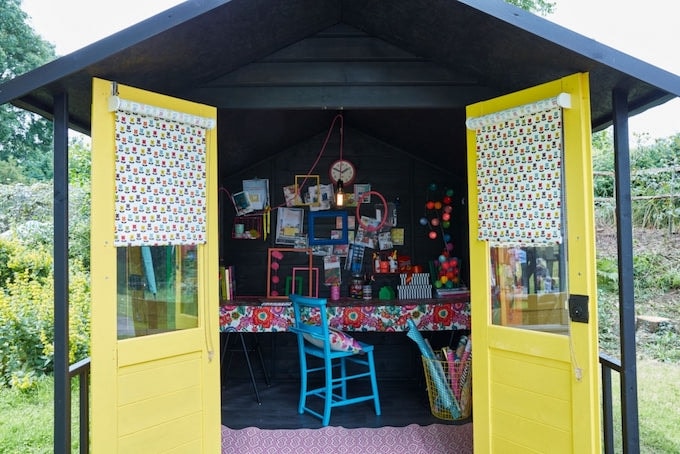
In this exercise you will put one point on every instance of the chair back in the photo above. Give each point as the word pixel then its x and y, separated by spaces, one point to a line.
pixel 311 319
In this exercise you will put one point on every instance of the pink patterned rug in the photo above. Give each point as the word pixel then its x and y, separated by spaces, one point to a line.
pixel 413 439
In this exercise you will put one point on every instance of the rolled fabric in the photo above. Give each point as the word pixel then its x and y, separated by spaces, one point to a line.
pixel 435 370
pixel 416 337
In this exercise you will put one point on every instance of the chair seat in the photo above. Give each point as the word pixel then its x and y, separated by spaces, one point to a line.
pixel 319 352
pixel 334 392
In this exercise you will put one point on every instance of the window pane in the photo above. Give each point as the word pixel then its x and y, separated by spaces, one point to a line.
pixel 529 288
pixel 157 289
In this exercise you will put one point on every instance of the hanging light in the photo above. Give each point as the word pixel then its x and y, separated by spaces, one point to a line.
pixel 339 195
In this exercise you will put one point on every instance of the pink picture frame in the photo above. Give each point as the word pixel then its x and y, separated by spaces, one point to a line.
pixel 313 274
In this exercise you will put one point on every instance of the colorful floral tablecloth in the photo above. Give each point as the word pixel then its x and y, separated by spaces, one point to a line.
pixel 353 315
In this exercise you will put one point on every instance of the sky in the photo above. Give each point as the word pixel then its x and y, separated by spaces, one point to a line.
pixel 639 28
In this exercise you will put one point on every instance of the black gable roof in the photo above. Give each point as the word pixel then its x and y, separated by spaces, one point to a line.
pixel 363 55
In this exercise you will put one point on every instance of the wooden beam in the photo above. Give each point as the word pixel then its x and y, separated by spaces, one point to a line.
pixel 341 97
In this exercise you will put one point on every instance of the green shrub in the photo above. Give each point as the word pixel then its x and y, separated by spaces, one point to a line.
pixel 26 330
pixel 27 314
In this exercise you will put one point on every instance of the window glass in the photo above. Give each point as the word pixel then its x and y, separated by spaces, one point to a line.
pixel 157 289
pixel 529 288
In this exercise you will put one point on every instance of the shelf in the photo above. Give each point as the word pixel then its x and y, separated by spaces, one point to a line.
pixel 251 227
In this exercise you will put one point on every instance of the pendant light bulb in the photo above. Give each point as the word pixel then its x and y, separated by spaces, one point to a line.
pixel 339 195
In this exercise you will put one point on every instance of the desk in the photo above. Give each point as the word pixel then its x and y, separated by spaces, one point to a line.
pixel 247 314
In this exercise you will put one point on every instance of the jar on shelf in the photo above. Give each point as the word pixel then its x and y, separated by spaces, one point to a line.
pixel 356 287
pixel 367 291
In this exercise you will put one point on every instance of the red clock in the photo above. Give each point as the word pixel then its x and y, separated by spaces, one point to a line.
pixel 343 170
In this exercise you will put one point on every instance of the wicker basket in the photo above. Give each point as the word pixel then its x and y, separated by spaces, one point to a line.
pixel 449 388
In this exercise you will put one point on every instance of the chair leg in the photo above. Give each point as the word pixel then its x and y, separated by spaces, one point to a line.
pixel 303 385
pixel 329 391
pixel 250 368
pixel 343 374
pixel 374 384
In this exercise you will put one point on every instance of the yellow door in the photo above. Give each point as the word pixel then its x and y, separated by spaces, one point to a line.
pixel 155 338
pixel 532 252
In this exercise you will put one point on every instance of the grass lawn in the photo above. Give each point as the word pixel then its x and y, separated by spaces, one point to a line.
pixel 658 402
pixel 27 421
pixel 27 418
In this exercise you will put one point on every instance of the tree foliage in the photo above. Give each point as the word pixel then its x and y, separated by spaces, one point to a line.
pixel 542 7
pixel 25 138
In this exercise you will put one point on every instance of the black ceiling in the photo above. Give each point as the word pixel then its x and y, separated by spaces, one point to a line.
pixel 282 62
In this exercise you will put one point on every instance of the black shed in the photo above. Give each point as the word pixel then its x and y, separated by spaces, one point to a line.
pixel 401 72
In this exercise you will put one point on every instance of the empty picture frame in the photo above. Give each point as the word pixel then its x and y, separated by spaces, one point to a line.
pixel 285 263
pixel 315 273
pixel 303 182
pixel 321 233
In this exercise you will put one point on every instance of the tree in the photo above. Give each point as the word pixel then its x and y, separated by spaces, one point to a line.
pixel 541 7
pixel 25 138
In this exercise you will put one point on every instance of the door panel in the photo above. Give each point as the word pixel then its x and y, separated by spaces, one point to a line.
pixel 155 337
pixel 535 374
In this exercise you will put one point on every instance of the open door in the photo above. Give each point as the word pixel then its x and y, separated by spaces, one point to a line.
pixel 533 288
pixel 155 334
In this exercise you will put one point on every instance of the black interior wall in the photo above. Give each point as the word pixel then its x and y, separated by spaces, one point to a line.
pixel 401 176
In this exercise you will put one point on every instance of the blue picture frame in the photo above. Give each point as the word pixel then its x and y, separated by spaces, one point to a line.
pixel 312 224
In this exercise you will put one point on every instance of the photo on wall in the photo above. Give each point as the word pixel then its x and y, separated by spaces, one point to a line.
pixel 242 203
pixel 289 225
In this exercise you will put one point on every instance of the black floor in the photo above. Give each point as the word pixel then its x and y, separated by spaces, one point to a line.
pixel 403 403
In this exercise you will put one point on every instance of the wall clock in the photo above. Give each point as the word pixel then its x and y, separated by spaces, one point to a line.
pixel 343 170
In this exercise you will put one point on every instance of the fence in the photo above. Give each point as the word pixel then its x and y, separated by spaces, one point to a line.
pixel 654 198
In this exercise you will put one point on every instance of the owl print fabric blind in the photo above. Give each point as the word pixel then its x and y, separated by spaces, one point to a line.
pixel 519 177
pixel 160 178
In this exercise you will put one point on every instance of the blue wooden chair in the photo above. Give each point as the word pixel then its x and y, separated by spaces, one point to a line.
pixel 314 339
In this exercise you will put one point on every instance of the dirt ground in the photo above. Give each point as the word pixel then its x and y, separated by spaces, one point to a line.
pixel 658 241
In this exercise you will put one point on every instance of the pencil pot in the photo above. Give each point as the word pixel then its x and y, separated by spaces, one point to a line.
pixel 449 388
